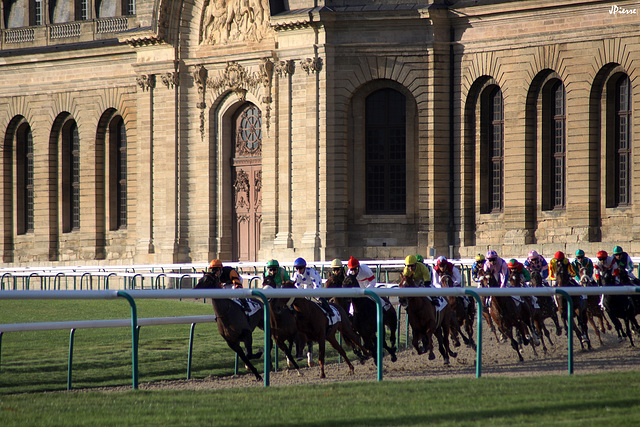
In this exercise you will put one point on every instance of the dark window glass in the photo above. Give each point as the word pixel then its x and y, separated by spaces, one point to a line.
pixel 623 140
pixel 385 152
pixel 24 179
pixel 559 144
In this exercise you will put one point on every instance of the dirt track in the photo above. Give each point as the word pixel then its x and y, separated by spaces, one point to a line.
pixel 497 359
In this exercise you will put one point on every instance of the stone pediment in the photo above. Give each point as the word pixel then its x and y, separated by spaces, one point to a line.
pixel 232 21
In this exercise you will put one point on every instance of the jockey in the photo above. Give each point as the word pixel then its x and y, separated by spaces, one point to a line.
pixel 279 274
pixel 337 270
pixel 536 262
pixel 419 271
pixel 606 264
pixel 475 268
pixel 516 266
pixel 228 276
pixel 582 262
pixel 308 278
pixel 420 259
pixel 625 264
pixel 442 267
pixel 553 266
pixel 498 267
pixel 363 273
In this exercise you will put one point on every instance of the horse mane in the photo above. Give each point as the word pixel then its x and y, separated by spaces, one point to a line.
pixel 350 282
pixel 332 282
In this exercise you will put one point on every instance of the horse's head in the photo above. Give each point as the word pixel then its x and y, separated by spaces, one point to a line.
pixel 446 281
pixel 268 281
pixel 487 279
pixel 515 278
pixel 585 278
pixel 208 281
pixel 350 282
pixel 406 282
pixel 562 273
pixel 608 279
pixel 334 281
pixel 536 279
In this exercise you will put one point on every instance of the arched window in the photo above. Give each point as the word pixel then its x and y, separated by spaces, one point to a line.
pixel 24 179
pixel 385 152
pixel 554 135
pixel 492 150
pixel 117 174
pixel 70 171
pixel 619 152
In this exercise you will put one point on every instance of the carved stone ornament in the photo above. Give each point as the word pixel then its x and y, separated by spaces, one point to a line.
pixel 200 78
pixel 284 68
pixel 170 80
pixel 146 81
pixel 230 21
pixel 311 65
pixel 236 78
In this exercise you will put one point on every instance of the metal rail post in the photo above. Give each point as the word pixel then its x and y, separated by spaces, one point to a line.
pixel 379 316
pixel 475 296
pixel 267 334
pixel 569 300
pixel 134 337
pixel 71 336
pixel 193 326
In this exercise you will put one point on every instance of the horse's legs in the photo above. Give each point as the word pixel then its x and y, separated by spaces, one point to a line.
pixel 235 346
pixel 335 344
pixel 391 321
pixel 441 335
pixel 321 357
pixel 594 326
pixel 282 345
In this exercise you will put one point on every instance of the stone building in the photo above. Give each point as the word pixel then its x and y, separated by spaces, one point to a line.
pixel 142 131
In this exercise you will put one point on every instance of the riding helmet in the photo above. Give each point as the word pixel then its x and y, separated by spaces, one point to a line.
pixel 353 263
pixel 410 260
pixel 479 258
pixel 533 255
pixel 441 260
pixel 300 262
pixel 559 255
pixel 617 250
pixel 336 263
pixel 579 252
pixel 216 263
pixel 420 258
pixel 492 254
pixel 513 263
pixel 602 254
pixel 273 263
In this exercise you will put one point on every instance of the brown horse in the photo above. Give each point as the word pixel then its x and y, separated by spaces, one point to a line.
pixel 594 310
pixel 364 321
pixel 530 315
pixel 233 324
pixel 283 327
pixel 564 279
pixel 505 314
pixel 314 324
pixel 462 316
pixel 548 308
pixel 425 322
pixel 489 281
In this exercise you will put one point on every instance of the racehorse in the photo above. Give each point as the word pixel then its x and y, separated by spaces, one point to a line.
pixel 283 327
pixel 461 316
pixel 564 279
pixel 426 321
pixel 364 321
pixel 548 308
pixel 335 281
pixel 505 314
pixel 594 310
pixel 314 324
pixel 233 324
pixel 530 315
pixel 619 307
pixel 487 280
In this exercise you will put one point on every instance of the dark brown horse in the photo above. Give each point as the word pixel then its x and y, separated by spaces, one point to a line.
pixel 463 315
pixel 564 279
pixel 594 310
pixel 505 314
pixel 426 322
pixel 548 308
pixel 487 280
pixel 619 307
pixel 233 324
pixel 364 321
pixel 529 314
pixel 283 327
pixel 314 324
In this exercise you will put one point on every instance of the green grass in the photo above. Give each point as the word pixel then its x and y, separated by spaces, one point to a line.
pixel 35 363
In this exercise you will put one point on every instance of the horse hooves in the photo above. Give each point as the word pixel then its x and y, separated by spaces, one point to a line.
pixel 558 331
pixel 300 374
pixel 351 372
pixel 456 344
pixel 258 378
pixel 453 354
pixel 394 358
pixel 322 375
pixel 432 356
pixel 446 362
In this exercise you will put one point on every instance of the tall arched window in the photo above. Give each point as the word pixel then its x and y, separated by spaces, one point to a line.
pixel 492 150
pixel 117 174
pixel 70 171
pixel 554 135
pixel 622 141
pixel 385 152
pixel 24 179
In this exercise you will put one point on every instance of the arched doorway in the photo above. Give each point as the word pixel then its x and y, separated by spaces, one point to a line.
pixel 246 178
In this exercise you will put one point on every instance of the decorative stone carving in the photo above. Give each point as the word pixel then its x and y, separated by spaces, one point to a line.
pixel 229 21
pixel 311 65
pixel 241 189
pixel 170 80
pixel 146 81
pixel 200 78
pixel 284 68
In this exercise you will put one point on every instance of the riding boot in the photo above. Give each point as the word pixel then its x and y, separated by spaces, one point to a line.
pixel 325 306
pixel 244 304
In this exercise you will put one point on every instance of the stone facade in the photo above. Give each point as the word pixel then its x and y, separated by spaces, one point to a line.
pixel 179 74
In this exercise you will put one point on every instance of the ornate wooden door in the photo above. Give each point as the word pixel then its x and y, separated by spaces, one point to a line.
pixel 247 183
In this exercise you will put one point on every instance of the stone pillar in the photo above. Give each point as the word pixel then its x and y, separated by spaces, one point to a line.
pixel 145 205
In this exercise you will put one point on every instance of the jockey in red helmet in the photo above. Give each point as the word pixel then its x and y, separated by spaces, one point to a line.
pixel 363 273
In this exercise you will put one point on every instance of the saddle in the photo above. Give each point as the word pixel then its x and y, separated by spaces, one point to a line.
pixel 333 317
pixel 249 306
